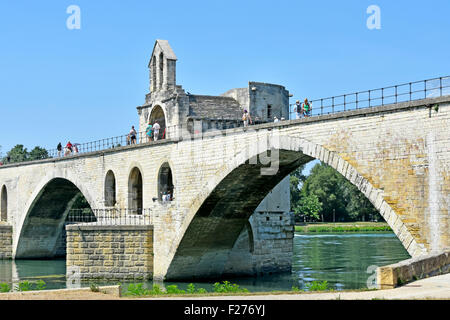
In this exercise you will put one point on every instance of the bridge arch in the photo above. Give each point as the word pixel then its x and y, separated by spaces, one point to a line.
pixel 158 113
pixel 165 180
pixel 220 211
pixel 110 189
pixel 135 190
pixel 41 226
pixel 4 204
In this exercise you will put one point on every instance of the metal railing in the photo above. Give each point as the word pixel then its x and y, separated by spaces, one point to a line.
pixel 184 131
pixel 112 216
pixel 168 132
pixel 430 88
pixel 98 145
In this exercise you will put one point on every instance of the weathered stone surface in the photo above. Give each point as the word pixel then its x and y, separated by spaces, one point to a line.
pixel 393 275
pixel 106 263
pixel 6 232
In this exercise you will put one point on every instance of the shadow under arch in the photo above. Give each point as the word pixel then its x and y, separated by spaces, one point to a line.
pixel 233 194
pixel 213 231
pixel 4 204
pixel 110 189
pixel 44 221
pixel 135 191
pixel 165 181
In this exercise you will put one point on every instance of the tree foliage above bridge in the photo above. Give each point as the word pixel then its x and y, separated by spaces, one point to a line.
pixel 19 154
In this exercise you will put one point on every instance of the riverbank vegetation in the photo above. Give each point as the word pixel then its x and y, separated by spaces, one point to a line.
pixel 139 289
pixel 325 195
pixel 23 286
pixel 343 227
pixel 219 289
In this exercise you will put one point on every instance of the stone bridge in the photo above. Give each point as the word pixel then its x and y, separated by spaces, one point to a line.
pixel 397 155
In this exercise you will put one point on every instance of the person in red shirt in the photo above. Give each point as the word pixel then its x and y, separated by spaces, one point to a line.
pixel 68 148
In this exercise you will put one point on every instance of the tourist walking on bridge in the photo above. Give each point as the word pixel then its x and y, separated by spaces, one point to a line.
pixel 75 148
pixel 68 150
pixel 246 118
pixel 149 132
pixel 59 148
pixel 132 135
pixel 298 109
pixel 307 108
pixel 156 128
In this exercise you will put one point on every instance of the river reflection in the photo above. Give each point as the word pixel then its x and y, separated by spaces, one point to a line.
pixel 340 259
pixel 343 259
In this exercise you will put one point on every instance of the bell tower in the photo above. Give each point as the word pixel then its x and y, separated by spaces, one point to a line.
pixel 162 67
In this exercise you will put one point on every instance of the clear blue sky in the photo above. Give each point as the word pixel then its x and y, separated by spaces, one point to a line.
pixel 58 84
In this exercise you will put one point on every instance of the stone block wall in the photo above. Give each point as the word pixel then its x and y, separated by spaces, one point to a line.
pixel 61 244
pixel 405 271
pixel 273 247
pixel 109 252
pixel 265 246
pixel 6 232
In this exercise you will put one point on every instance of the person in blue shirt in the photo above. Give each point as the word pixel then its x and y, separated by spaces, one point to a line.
pixel 148 132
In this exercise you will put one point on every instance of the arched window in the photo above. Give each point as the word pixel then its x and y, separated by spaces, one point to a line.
pixel 135 202
pixel 110 189
pixel 161 70
pixel 153 72
pixel 165 183
pixel 157 115
pixel 4 205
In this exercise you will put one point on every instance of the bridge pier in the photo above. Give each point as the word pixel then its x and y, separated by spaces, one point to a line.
pixel 6 232
pixel 265 246
pixel 109 252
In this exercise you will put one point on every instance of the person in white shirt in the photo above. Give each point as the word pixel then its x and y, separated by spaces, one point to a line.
pixel 298 110
pixel 132 135
pixel 246 118
pixel 156 128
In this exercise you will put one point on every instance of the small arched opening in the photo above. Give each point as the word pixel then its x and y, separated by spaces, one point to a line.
pixel 153 72
pixel 165 183
pixel 157 116
pixel 4 205
pixel 110 189
pixel 135 201
pixel 161 70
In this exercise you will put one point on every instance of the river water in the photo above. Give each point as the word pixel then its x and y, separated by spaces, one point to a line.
pixel 344 260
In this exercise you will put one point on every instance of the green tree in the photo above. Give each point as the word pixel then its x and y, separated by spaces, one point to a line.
pixel 296 180
pixel 308 207
pixel 16 154
pixel 359 207
pixel 338 195
pixel 38 153
pixel 19 154
pixel 326 183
